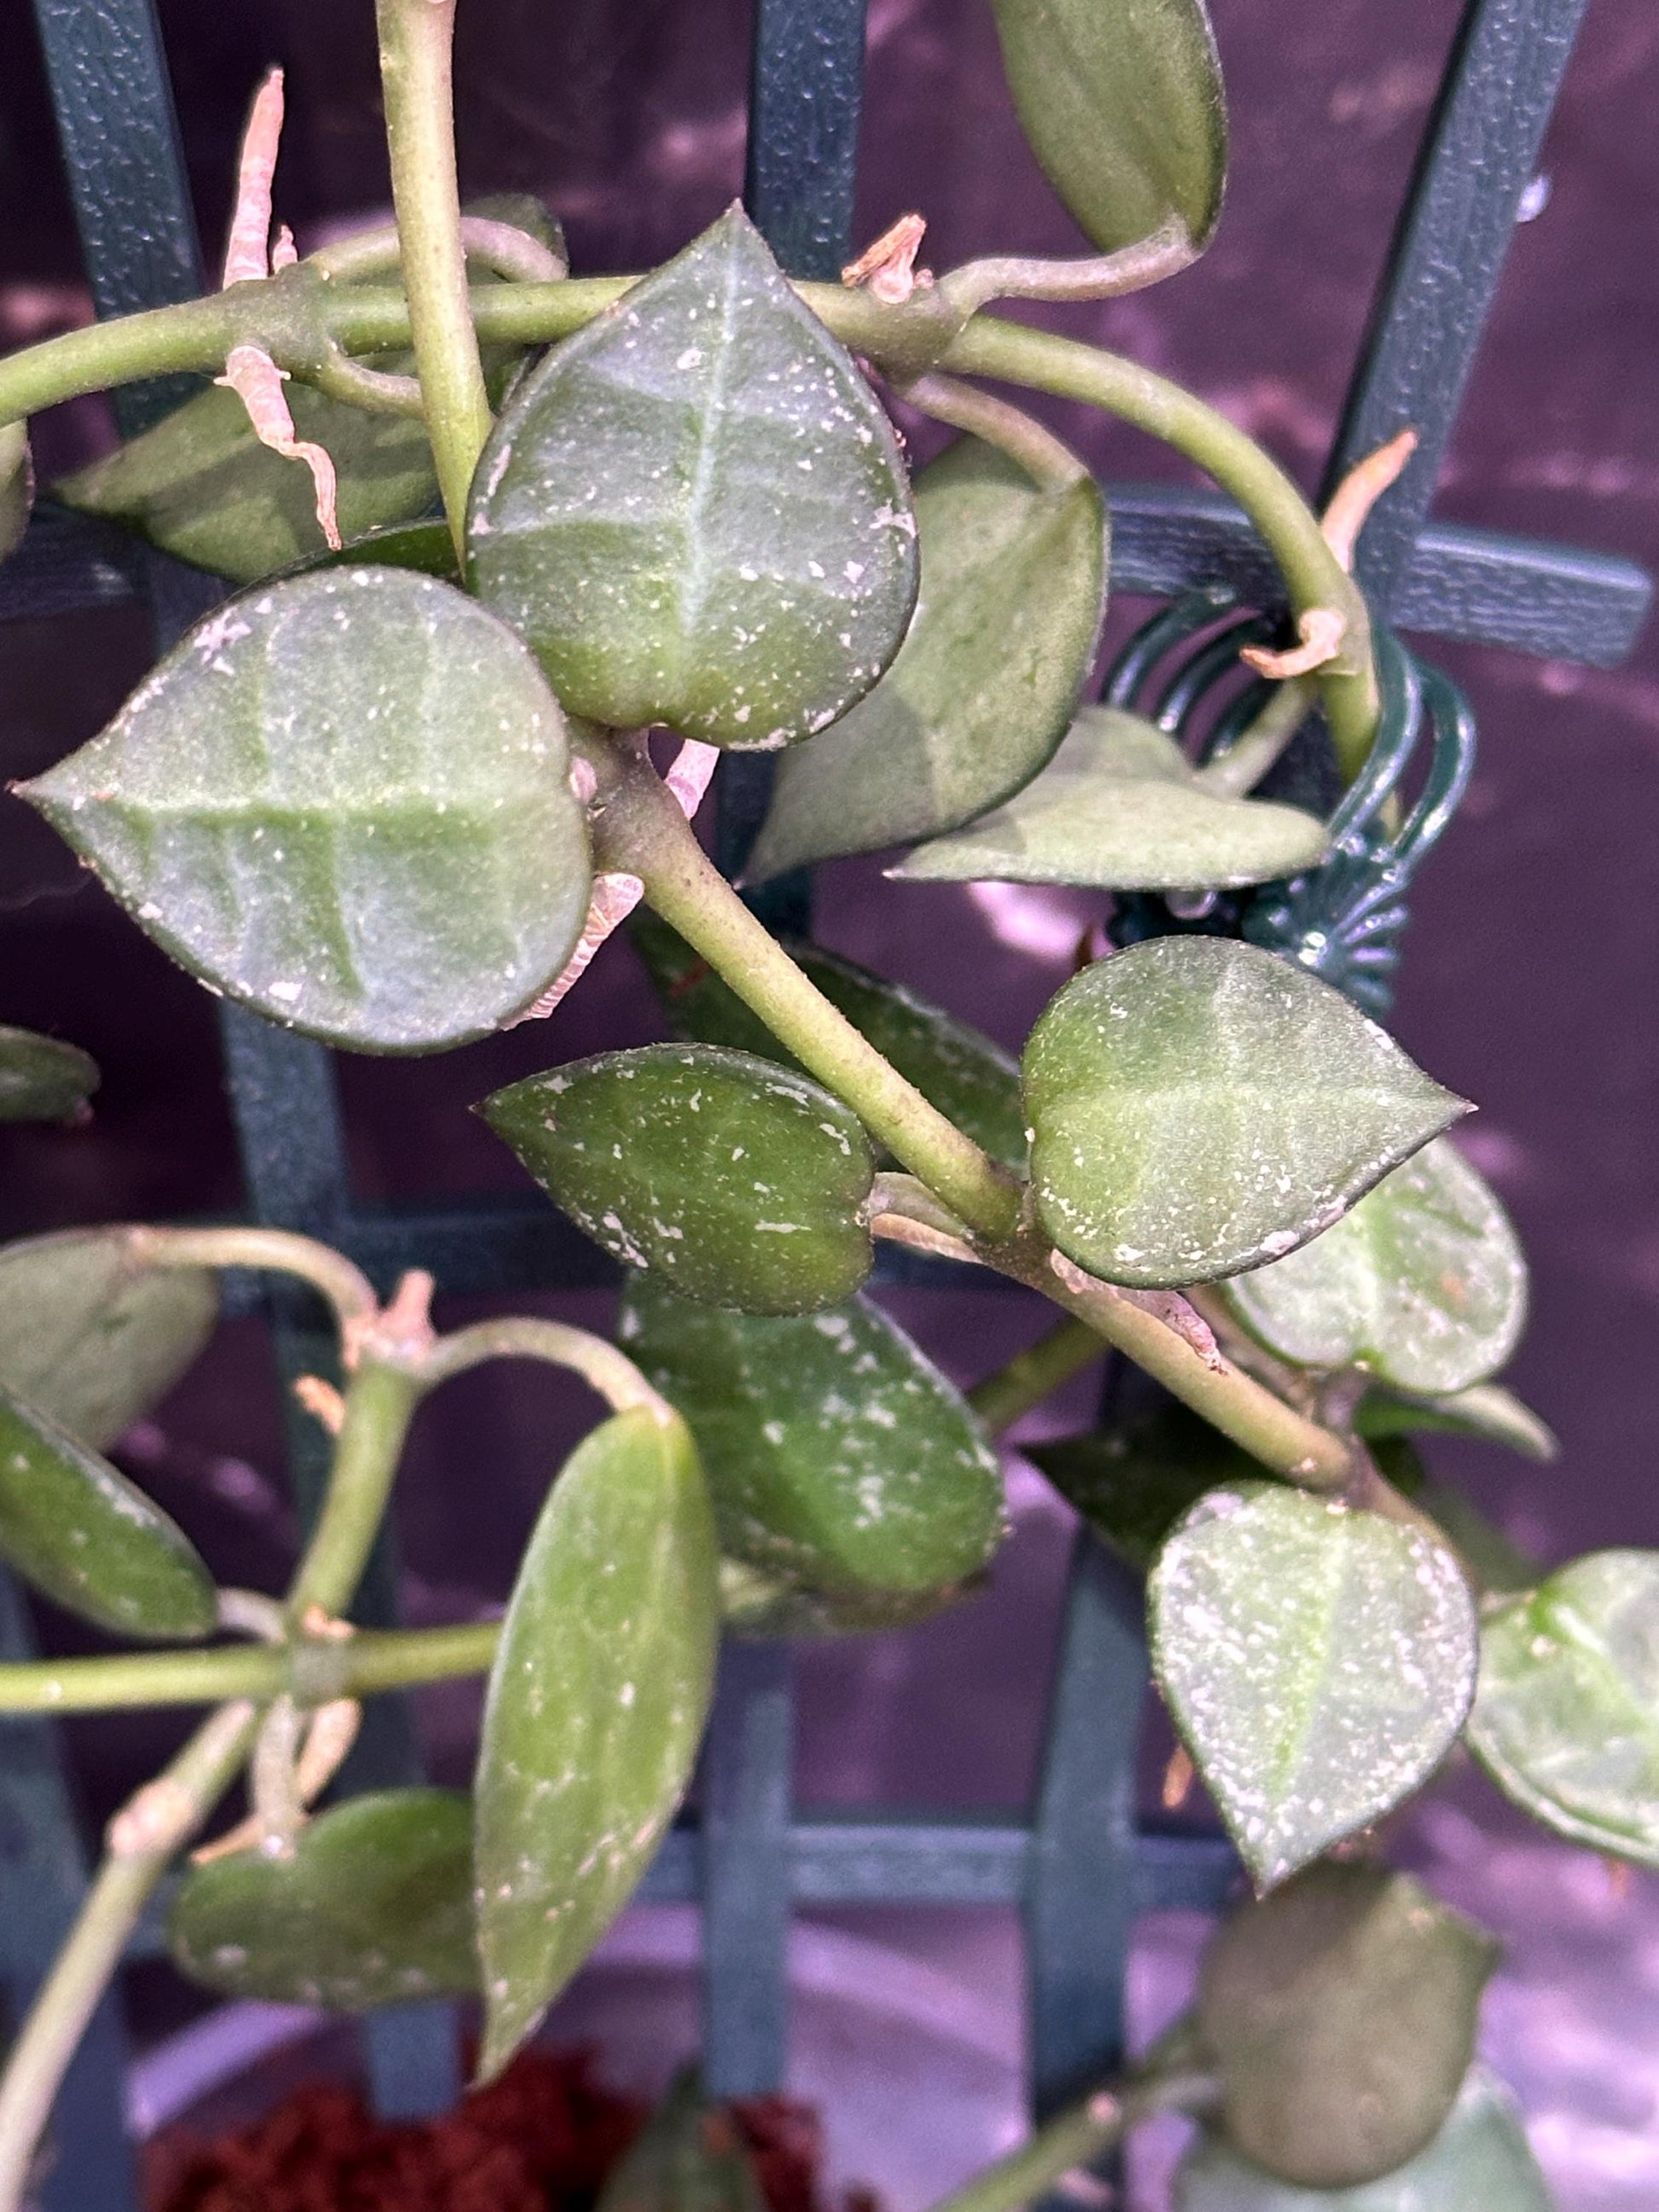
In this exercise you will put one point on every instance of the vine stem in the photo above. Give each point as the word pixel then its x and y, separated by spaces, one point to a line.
pixel 1003 1398
pixel 273 1251
pixel 1076 2137
pixel 611 1373
pixel 416 50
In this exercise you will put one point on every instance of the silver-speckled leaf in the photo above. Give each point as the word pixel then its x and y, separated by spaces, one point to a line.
pixel 838 1456
pixel 1121 101
pixel 1198 1106
pixel 1423 1283
pixel 696 511
pixel 373 1908
pixel 1013 584
pixel 735 1180
pixel 91 1335
pixel 342 799
pixel 1480 2161
pixel 74 1527
pixel 42 1079
pixel 596 1707
pixel 1119 808
pixel 1567 1720
pixel 1319 1662
pixel 1340 2014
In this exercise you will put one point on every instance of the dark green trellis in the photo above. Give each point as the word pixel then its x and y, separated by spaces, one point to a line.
pixel 1079 1869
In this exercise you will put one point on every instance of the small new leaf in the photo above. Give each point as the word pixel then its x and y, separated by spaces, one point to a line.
pixel 1567 1720
pixel 1340 2014
pixel 342 799
pixel 1198 1106
pixel 689 2158
pixel 92 1336
pixel 1318 1662
pixel 374 1907
pixel 43 1080
pixel 839 1458
pixel 1013 583
pixel 1119 808
pixel 1480 2161
pixel 734 1181
pixel 696 511
pixel 1423 1283
pixel 595 1710
pixel 1121 102
pixel 76 1529
pixel 1485 1410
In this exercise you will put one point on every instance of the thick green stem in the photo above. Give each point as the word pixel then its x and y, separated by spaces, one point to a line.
pixel 1075 2138
pixel 379 1404
pixel 273 1251
pixel 1050 464
pixel 1247 760
pixel 363 1666
pixel 523 1336
pixel 1313 576
pixel 416 42
pixel 1035 1374
pixel 154 1825
pixel 639 831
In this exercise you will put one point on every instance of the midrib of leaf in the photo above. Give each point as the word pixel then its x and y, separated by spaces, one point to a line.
pixel 1314 1677
pixel 693 577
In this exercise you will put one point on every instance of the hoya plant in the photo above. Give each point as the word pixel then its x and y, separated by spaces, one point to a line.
pixel 518 558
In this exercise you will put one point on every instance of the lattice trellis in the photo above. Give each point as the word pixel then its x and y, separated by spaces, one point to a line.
pixel 1079 1869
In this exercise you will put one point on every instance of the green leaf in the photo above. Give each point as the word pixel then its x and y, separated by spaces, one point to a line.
pixel 1480 2161
pixel 76 1528
pixel 1423 1283
pixel 42 1079
pixel 1119 808
pixel 1484 1410
pixel 1121 102
pixel 1013 589
pixel 689 2158
pixel 426 546
pixel 342 799
pixel 838 1457
pixel 696 511
pixel 17 485
pixel 736 1182
pixel 1318 1662
pixel 596 1707
pixel 374 1907
pixel 1566 1720
pixel 1131 1483
pixel 91 1335
pixel 1340 2014
pixel 1198 1106
pixel 972 1081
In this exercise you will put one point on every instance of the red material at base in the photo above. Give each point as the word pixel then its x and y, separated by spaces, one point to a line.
pixel 540 2139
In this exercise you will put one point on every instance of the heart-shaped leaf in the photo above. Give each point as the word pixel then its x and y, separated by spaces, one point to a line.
pixel 1013 583
pixel 1133 1482
pixel 374 1907
pixel 1487 1410
pixel 42 1079
pixel 1198 1106
pixel 596 1707
pixel 1566 1720
pixel 838 1457
pixel 17 485
pixel 74 1527
pixel 734 1181
pixel 972 1081
pixel 1480 2161
pixel 688 2157
pixel 1423 1283
pixel 93 1337
pixel 1341 2015
pixel 1319 1662
pixel 1121 102
pixel 343 800
pixel 696 511
pixel 1119 808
